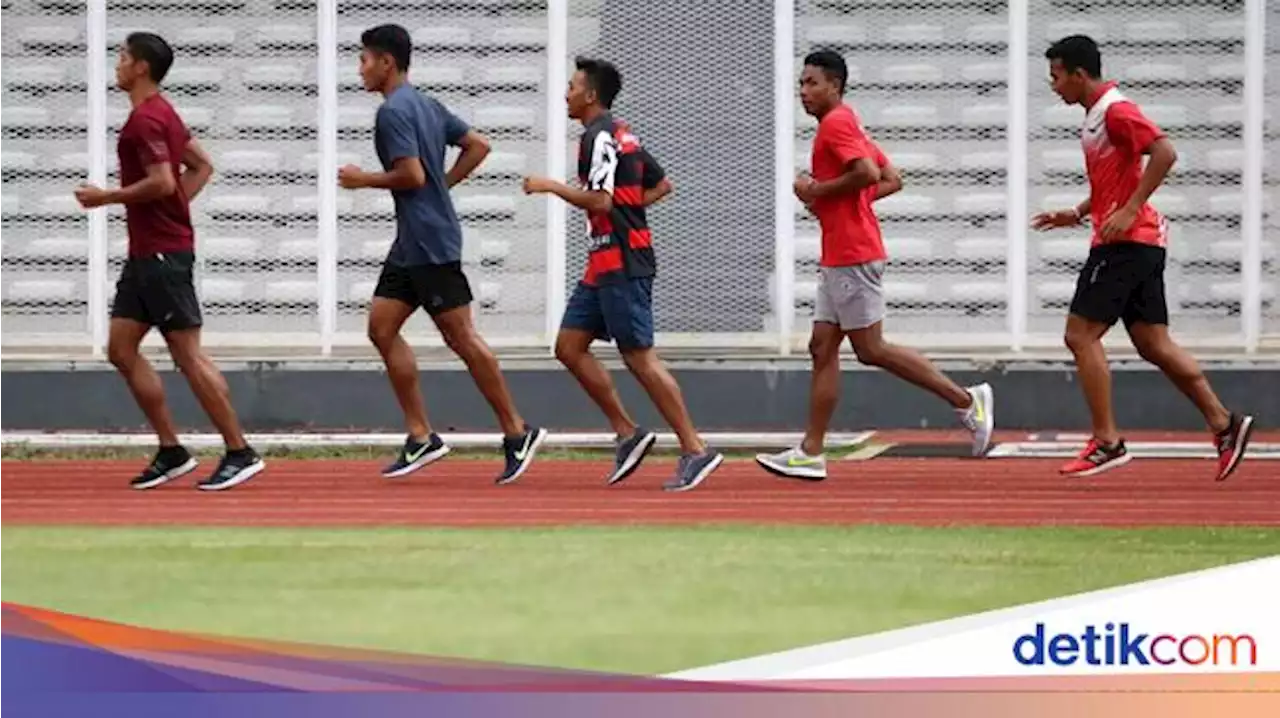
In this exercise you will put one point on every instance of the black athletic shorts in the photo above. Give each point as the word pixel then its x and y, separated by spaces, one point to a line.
pixel 1124 280
pixel 159 290
pixel 434 287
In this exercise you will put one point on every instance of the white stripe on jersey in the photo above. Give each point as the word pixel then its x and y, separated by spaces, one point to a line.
pixel 604 163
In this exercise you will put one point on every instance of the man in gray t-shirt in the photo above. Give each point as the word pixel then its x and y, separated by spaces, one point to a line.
pixel 410 124
pixel 424 266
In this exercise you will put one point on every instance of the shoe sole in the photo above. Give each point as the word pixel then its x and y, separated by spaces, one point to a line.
pixel 528 458
pixel 429 458
pixel 634 459
pixel 244 475
pixel 989 399
pixel 1113 464
pixel 792 473
pixel 190 465
pixel 699 477
pixel 1242 443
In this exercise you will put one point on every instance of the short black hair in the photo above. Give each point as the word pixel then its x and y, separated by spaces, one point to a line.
pixel 602 76
pixel 392 40
pixel 832 65
pixel 1077 52
pixel 151 49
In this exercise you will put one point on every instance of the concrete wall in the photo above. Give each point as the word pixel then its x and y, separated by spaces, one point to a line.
pixel 759 395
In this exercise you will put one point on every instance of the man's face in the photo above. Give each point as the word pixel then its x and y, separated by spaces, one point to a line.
pixel 375 68
pixel 129 70
pixel 579 96
pixel 1070 86
pixel 818 93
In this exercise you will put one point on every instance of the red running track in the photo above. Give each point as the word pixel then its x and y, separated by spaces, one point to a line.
pixel 459 492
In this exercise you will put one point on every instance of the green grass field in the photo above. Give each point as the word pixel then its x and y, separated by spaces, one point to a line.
pixel 621 599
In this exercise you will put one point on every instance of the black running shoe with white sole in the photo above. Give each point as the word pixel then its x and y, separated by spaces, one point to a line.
pixel 235 468
pixel 519 451
pixel 693 469
pixel 631 452
pixel 170 462
pixel 416 454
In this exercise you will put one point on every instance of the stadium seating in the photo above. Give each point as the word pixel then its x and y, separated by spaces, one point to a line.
pixel 927 78
pixel 245 81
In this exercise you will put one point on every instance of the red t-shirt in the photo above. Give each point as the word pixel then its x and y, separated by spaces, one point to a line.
pixel 881 159
pixel 154 134
pixel 850 230
pixel 1114 136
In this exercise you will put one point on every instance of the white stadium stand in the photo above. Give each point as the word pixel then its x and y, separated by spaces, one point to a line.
pixel 929 80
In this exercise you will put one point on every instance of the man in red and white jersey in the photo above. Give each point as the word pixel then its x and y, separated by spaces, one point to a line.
pixel 848 176
pixel 162 168
pixel 1123 277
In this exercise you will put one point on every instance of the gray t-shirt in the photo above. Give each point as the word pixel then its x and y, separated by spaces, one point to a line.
pixel 410 124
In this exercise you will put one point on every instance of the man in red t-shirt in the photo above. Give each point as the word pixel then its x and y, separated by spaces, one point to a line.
pixel 847 179
pixel 1123 277
pixel 156 287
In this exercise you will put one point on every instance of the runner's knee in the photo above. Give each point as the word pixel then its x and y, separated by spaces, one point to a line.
pixel 870 351
pixel 382 334
pixel 568 350
pixel 121 355
pixel 823 347
pixel 1078 339
pixel 465 341
pixel 641 362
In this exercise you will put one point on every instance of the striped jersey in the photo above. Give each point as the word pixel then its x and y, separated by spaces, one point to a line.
pixel 610 159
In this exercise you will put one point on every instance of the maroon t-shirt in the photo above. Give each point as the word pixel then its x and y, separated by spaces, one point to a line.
pixel 154 134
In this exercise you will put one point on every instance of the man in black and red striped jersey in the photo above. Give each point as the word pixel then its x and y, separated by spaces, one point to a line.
pixel 614 299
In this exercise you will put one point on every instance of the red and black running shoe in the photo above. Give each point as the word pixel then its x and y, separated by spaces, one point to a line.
pixel 1232 443
pixel 1096 458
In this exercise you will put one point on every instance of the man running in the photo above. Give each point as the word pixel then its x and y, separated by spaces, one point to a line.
pixel 846 180
pixel 156 287
pixel 424 266
pixel 614 299
pixel 1123 278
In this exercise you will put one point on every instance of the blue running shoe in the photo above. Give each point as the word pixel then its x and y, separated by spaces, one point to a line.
pixel 631 453
pixel 693 469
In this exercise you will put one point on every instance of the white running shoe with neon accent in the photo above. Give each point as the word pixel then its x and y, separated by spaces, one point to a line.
pixel 980 417
pixel 794 464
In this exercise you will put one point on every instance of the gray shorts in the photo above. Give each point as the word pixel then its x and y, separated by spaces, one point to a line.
pixel 850 297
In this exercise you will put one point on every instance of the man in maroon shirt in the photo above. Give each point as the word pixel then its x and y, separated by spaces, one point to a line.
pixel 156 288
